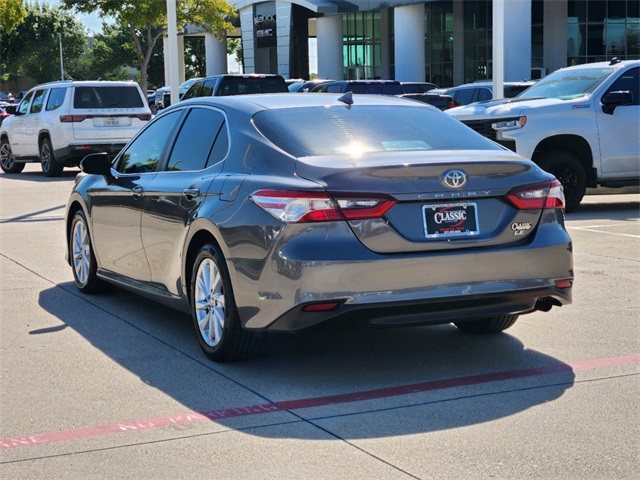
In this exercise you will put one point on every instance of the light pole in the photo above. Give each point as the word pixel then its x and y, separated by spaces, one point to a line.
pixel 61 63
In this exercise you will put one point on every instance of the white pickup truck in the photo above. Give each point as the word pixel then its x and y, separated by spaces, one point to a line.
pixel 580 123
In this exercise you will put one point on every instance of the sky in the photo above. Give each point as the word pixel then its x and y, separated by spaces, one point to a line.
pixel 92 21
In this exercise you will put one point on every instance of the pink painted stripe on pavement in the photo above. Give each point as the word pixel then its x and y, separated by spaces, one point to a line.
pixel 195 417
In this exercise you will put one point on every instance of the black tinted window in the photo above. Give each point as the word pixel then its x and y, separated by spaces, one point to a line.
pixel 378 89
pixel 628 81
pixel 485 94
pixel 464 96
pixel 514 90
pixel 144 153
pixel 194 142
pixel 334 88
pixel 325 131
pixel 244 86
pixel 207 88
pixel 193 92
pixel 220 147
pixel 107 97
pixel 56 98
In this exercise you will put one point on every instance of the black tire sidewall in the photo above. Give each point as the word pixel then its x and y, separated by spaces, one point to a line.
pixel 559 159
pixel 55 169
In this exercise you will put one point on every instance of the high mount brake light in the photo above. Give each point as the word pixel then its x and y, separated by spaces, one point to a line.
pixel 300 207
pixel 538 196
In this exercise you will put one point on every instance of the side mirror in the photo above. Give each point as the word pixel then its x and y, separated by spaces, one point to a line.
pixel 11 109
pixel 615 99
pixel 96 164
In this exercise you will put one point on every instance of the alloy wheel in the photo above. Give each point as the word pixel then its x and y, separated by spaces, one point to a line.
pixel 45 157
pixel 209 302
pixel 6 157
pixel 81 251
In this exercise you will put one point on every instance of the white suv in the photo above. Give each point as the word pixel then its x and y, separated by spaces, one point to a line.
pixel 58 123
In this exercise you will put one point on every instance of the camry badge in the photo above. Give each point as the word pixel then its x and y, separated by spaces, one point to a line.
pixel 454 178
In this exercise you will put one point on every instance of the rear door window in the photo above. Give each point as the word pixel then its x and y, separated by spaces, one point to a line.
pixel 195 141
pixel 193 92
pixel 464 96
pixel 107 97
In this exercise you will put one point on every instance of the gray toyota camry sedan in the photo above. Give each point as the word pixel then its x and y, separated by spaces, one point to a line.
pixel 278 212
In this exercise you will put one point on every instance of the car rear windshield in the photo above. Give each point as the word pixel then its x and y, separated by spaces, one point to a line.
pixel 107 97
pixel 312 131
pixel 245 86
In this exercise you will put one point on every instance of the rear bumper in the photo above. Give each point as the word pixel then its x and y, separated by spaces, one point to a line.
pixel 427 312
pixel 422 288
pixel 73 154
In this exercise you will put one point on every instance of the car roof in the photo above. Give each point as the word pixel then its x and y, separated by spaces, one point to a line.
pixel 86 83
pixel 277 101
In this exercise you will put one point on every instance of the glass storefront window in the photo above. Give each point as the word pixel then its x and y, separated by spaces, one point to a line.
pixel 599 30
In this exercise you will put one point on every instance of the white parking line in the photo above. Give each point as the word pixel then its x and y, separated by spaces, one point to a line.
pixel 587 229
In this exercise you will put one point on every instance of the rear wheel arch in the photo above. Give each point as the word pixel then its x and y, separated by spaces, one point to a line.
pixel 73 208
pixel 199 239
pixel 573 144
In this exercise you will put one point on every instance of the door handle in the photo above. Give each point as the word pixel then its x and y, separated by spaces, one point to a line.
pixel 191 193
pixel 137 191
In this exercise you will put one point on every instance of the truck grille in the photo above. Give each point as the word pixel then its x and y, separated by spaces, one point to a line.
pixel 483 127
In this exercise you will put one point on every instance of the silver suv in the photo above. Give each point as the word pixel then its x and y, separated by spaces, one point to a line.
pixel 58 123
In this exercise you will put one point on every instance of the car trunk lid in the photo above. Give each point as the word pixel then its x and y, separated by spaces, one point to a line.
pixel 445 199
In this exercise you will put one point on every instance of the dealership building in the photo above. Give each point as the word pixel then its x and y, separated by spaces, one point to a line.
pixel 446 42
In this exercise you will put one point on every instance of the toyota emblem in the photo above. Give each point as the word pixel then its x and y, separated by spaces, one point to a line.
pixel 454 178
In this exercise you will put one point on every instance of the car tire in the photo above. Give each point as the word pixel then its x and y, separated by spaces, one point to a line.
pixel 50 167
pixel 570 172
pixel 83 260
pixel 214 312
pixel 487 325
pixel 7 160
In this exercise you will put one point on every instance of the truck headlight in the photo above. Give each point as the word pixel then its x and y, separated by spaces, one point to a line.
pixel 509 123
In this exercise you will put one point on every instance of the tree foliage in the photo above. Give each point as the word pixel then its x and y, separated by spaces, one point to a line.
pixel 32 47
pixel 147 20
pixel 11 14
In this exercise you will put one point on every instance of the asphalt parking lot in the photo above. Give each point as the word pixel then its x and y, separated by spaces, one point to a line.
pixel 115 386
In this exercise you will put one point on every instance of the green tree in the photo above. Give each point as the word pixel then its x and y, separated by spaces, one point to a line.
pixel 147 20
pixel 32 47
pixel 11 14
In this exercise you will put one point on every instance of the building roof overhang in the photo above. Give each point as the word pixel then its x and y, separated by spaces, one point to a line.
pixel 321 7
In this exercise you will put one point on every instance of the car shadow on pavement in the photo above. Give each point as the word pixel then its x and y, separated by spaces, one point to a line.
pixel 626 208
pixel 154 343
pixel 38 177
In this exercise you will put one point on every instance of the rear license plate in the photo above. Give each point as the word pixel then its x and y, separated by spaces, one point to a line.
pixel 111 121
pixel 445 220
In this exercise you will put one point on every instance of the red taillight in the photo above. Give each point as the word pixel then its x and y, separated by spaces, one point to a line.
pixel 320 307
pixel 538 196
pixel 144 116
pixel 564 283
pixel 299 207
pixel 72 118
